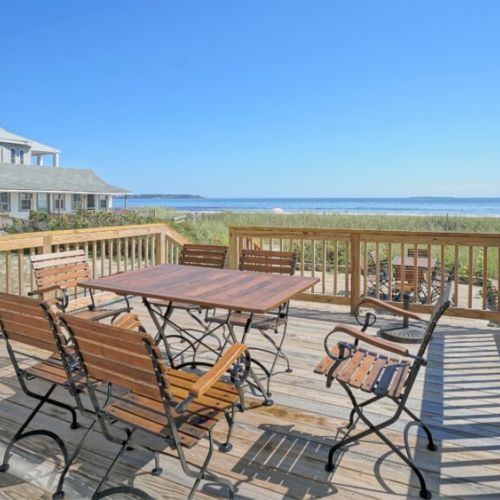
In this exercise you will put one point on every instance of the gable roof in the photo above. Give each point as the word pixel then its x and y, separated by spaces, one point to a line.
pixel 23 178
pixel 36 147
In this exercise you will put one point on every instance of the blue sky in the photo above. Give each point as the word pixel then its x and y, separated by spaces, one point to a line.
pixel 261 98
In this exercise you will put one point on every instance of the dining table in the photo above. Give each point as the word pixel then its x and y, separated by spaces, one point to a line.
pixel 232 290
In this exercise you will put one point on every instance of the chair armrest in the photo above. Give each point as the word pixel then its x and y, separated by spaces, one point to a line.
pixel 372 302
pixel 206 381
pixel 41 291
pixel 370 339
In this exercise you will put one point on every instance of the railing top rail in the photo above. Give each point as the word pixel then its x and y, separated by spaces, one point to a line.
pixel 36 239
pixel 269 231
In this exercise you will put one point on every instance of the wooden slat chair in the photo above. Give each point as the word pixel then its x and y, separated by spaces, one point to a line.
pixel 379 375
pixel 263 261
pixel 57 276
pixel 212 256
pixel 177 408
pixel 29 327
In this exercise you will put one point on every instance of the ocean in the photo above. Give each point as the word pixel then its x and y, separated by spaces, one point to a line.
pixel 394 206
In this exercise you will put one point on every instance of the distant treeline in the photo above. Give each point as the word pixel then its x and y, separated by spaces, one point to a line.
pixel 163 196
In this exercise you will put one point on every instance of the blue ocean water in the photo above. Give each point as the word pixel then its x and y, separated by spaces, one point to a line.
pixel 403 206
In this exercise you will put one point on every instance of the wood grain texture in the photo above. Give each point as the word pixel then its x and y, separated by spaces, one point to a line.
pixel 223 288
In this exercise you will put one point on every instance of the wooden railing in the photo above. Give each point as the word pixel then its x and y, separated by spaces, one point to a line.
pixel 109 250
pixel 355 263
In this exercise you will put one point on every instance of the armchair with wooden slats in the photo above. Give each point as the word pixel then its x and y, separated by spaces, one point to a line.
pixel 379 369
pixel 177 408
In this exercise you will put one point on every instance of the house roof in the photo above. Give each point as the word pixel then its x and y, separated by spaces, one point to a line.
pixel 36 147
pixel 23 178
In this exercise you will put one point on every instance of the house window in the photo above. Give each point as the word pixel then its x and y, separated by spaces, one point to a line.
pixel 21 156
pixel 4 202
pixel 13 155
pixel 24 202
pixel 77 202
pixel 59 203
pixel 103 202
pixel 42 202
pixel 91 202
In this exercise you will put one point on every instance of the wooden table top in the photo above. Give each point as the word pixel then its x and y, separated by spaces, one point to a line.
pixel 409 261
pixel 223 288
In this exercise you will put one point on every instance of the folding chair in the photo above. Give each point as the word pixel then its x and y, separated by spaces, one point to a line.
pixel 59 273
pixel 264 261
pixel 26 324
pixel 177 408
pixel 212 256
pixel 381 376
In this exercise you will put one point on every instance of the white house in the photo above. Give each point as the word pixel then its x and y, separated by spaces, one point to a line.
pixel 27 184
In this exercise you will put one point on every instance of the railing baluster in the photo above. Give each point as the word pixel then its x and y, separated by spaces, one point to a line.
pixel 469 295
pixel 8 272
pixel 485 278
pixel 20 271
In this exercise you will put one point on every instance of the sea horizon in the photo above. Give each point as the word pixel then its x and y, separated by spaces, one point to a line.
pixel 415 205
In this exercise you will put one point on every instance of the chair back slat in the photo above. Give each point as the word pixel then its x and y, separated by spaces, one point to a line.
pixel 421 252
pixel 60 268
pixel 116 355
pixel 22 319
pixel 439 309
pixel 268 261
pixel 203 256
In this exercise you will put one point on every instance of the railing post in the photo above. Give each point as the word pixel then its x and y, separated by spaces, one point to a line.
pixel 355 270
pixel 160 241
pixel 233 249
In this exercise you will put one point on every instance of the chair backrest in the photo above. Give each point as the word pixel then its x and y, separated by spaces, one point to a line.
pixel 268 261
pixel 60 268
pixel 203 256
pixel 439 309
pixel 421 252
pixel 118 356
pixel 24 320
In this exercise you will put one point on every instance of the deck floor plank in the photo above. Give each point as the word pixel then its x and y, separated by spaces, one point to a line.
pixel 280 451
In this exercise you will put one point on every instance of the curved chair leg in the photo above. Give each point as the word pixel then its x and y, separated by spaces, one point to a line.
pixel 227 446
pixel 424 492
pixel 203 473
pixel 431 445
pixel 18 437
pixel 59 491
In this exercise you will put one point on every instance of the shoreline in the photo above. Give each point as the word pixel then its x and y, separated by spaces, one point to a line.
pixel 242 211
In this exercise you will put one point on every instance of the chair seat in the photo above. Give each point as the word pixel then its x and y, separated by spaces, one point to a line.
pixel 85 301
pixel 98 313
pixel 259 321
pixel 200 416
pixel 52 370
pixel 365 370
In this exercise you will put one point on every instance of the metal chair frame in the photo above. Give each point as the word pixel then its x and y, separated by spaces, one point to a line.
pixel 400 402
pixel 238 375
pixel 23 377
pixel 63 299
pixel 249 261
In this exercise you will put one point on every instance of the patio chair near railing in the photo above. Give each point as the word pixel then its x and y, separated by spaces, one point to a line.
pixel 369 270
pixel 379 375
pixel 29 326
pixel 263 261
pixel 57 276
pixel 175 407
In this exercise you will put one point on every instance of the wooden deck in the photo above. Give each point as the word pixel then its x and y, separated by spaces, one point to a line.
pixel 280 451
